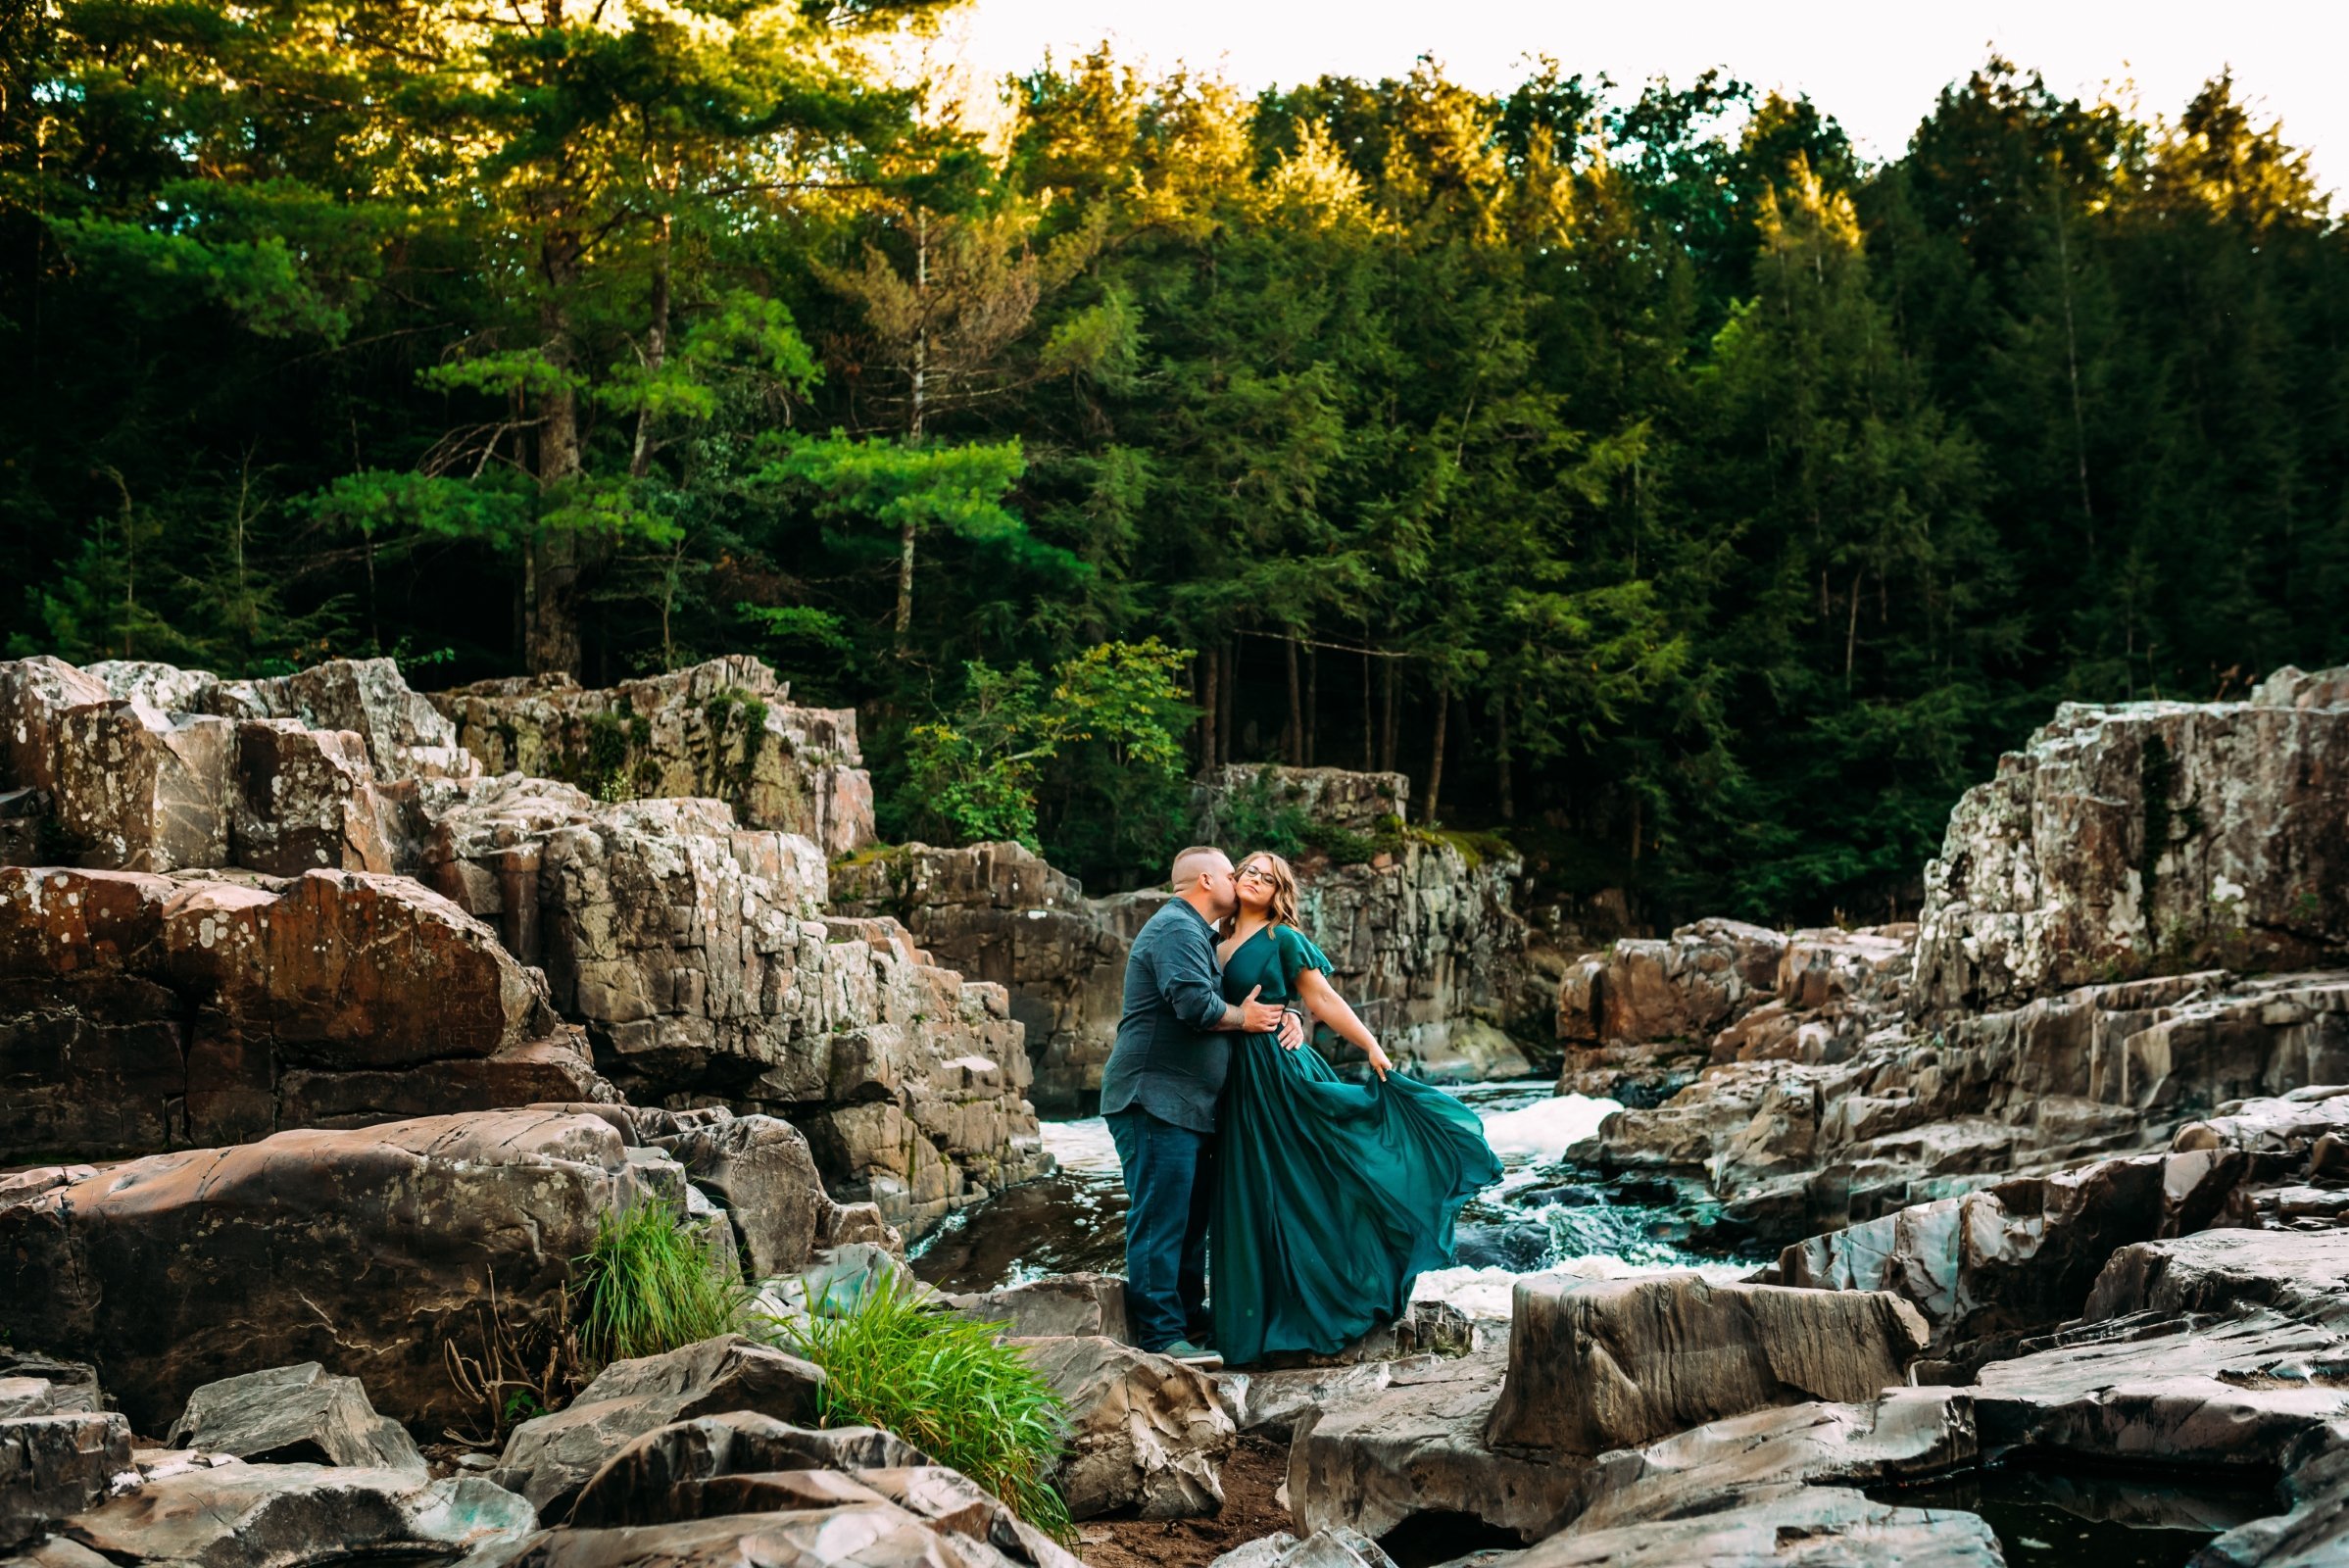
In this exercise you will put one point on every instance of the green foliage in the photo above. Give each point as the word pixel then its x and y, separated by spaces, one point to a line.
pixel 1085 766
pixel 651 1284
pixel 1715 505
pixel 946 1384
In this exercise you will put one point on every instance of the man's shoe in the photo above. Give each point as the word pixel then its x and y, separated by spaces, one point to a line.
pixel 1190 1355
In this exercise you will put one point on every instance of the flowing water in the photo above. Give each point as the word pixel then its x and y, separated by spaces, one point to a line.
pixel 1544 1214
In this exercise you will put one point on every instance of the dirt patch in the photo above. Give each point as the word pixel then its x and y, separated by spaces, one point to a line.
pixel 1255 1470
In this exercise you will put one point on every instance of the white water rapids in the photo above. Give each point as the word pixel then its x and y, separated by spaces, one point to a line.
pixel 1544 1216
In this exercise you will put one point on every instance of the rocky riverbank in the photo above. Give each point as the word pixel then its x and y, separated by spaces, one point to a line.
pixel 326 1054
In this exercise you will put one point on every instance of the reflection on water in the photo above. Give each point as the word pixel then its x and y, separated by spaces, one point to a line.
pixel 1543 1215
pixel 2051 1518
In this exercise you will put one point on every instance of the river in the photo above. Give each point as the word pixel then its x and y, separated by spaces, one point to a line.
pixel 1545 1214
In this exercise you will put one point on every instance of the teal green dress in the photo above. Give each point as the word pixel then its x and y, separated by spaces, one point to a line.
pixel 1333 1196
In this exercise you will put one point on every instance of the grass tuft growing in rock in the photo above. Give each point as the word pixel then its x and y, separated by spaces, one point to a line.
pixel 946 1384
pixel 651 1284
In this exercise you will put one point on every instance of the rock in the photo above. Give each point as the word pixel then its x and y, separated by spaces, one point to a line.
pixel 1333 1548
pixel 364 1250
pixel 1613 1363
pixel 2016 1256
pixel 1276 1403
pixel 1060 1306
pixel 998 912
pixel 272 1515
pixel 36 694
pixel 671 1472
pixel 760 1170
pixel 1787 1527
pixel 43 1385
pixel 2127 838
pixel 138 790
pixel 294 1415
pixel 405 736
pixel 1328 797
pixel 52 1465
pixel 1145 1433
pixel 305 800
pixel 139 1013
pixel 550 1457
pixel 1417 1446
pixel 2304 1275
pixel 724 729
pixel 873 1535
pixel 1685 988
pixel 687 948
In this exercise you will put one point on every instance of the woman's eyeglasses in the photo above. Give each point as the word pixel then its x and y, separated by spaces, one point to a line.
pixel 1256 875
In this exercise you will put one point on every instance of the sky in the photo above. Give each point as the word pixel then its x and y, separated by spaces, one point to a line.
pixel 1877 66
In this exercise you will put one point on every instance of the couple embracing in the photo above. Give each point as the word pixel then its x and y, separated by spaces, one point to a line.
pixel 1319 1202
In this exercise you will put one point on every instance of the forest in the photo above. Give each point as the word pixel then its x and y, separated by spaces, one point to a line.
pixel 1659 483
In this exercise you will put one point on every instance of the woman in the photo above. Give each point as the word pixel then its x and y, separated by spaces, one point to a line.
pixel 1333 1198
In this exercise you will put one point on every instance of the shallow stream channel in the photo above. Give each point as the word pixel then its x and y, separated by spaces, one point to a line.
pixel 1546 1215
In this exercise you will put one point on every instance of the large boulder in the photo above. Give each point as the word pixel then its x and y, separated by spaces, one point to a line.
pixel 1783 1527
pixel 1607 1364
pixel 55 1464
pixel 2128 839
pixel 138 1013
pixel 293 1415
pixel 760 1172
pixel 141 790
pixel 306 800
pixel 689 950
pixel 1145 1434
pixel 550 1457
pixel 1057 1306
pixel 369 1251
pixel 998 912
pixel 1685 987
pixel 724 729
pixel 279 1515
pixel 683 1470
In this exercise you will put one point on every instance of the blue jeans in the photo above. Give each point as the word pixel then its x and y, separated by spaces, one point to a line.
pixel 1170 1188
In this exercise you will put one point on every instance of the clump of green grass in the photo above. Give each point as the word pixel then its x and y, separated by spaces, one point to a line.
pixel 946 1384
pixel 650 1284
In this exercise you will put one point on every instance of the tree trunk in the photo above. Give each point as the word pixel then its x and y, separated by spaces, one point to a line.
pixel 914 424
pixel 1226 699
pixel 1293 742
pixel 1435 752
pixel 1387 717
pixel 551 639
pixel 1312 701
pixel 1370 729
pixel 1210 690
pixel 1500 762
pixel 655 347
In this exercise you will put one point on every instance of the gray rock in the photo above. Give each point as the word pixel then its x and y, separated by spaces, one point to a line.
pixel 550 1457
pixel 872 1535
pixel 1610 1364
pixel 2133 835
pixel 760 1170
pixel 1417 1446
pixel 1788 1527
pixel 294 1415
pixel 1145 1434
pixel 55 1465
pixel 306 800
pixel 1059 1306
pixel 280 1515
pixel 671 1473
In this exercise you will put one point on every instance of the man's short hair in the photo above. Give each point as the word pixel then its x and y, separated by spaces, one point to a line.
pixel 1187 867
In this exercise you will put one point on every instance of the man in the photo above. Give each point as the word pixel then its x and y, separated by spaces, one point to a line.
pixel 1158 1094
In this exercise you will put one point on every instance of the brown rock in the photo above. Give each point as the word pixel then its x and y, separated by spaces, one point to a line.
pixel 363 1251
pixel 305 800
pixel 1145 1434
pixel 55 1465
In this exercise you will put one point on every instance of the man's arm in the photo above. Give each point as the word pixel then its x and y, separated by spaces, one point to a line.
pixel 1186 979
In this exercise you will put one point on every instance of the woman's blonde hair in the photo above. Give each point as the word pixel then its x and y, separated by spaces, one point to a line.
pixel 1284 884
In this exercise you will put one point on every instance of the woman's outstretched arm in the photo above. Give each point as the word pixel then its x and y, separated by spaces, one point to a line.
pixel 1330 1008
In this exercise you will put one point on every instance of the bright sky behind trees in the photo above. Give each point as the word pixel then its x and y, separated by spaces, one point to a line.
pixel 1875 66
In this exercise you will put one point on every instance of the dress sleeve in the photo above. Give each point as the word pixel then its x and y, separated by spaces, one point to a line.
pixel 1297 955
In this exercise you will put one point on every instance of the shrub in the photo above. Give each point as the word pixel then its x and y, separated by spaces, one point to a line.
pixel 948 1384
pixel 650 1284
